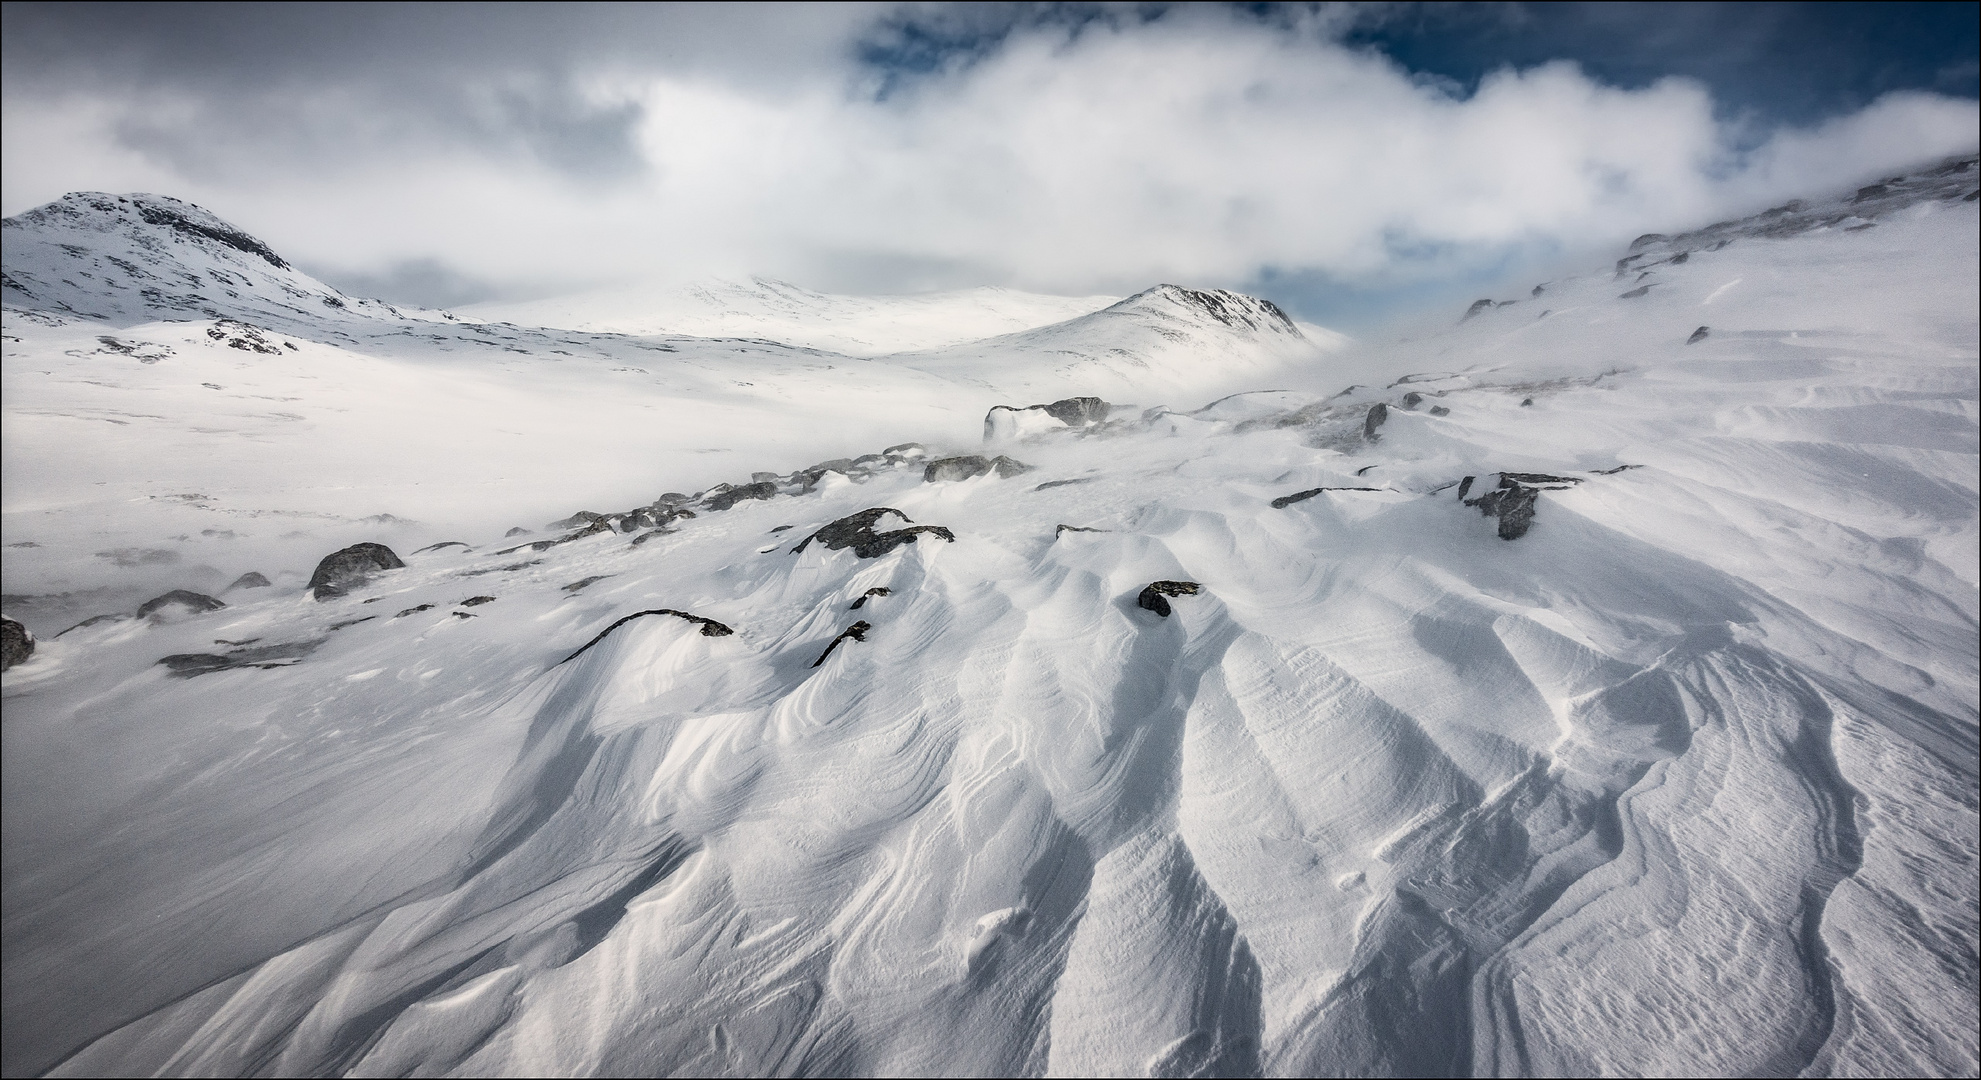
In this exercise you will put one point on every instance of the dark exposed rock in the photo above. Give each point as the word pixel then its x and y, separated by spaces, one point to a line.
pixel 710 628
pixel 1699 335
pixel 650 534
pixel 602 525
pixel 1464 486
pixel 188 665
pixel 1365 468
pixel 1618 469
pixel 1538 290
pixel 1285 501
pixel 462 614
pixel 1063 483
pixel 1871 192
pixel 761 489
pixel 783 528
pixel 517 531
pixel 1679 258
pixel 878 590
pixel 1154 595
pixel 1075 528
pixel 857 532
pixel 443 544
pixel 1513 501
pixel 1412 399
pixel 253 579
pixel 1439 410
pixel 972 465
pixel 579 586
pixel 1637 292
pixel 16 643
pixel 1378 414
pixel 193 602
pixel 351 622
pixel 1477 307
pixel 415 610
pixel 1079 411
pixel 581 518
pixel 342 571
pixel 95 619
pixel 155 214
pixel 1526 402
pixel 477 601
pixel 1648 238
pixel 857 631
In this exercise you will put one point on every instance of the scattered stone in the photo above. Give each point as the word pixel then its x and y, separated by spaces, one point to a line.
pixel 193 603
pixel 253 579
pixel 1412 399
pixel 477 601
pixel 1526 402
pixel 16 642
pixel 1538 290
pixel 1439 410
pixel 857 532
pixel 1699 335
pixel 579 586
pixel 878 590
pixel 415 610
pixel 782 528
pixel 1154 596
pixel 342 571
pixel 1378 414
pixel 857 631
pixel 1079 411
pixel 710 628
pixel 462 614
pixel 443 544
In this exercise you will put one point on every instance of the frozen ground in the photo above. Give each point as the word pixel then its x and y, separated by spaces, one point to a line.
pixel 1680 779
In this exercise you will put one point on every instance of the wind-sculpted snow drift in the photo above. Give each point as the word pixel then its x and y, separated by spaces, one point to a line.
pixel 1678 776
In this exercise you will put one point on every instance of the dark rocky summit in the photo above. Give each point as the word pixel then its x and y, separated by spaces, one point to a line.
pixel 857 631
pixel 186 599
pixel 857 532
pixel 16 643
pixel 1154 595
pixel 342 571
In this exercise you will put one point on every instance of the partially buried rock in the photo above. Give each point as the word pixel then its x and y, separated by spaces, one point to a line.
pixel 857 532
pixel 342 571
pixel 710 628
pixel 878 590
pixel 943 470
pixel 16 643
pixel 178 601
pixel 1513 501
pixel 1154 596
pixel 723 500
pixel 857 631
pixel 517 531
pixel 1699 335
pixel 253 579
pixel 1439 410
pixel 1378 415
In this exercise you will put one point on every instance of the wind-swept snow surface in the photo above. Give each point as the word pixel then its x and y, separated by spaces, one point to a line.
pixel 1599 699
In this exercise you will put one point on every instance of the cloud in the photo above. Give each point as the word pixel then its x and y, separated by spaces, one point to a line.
pixel 1099 150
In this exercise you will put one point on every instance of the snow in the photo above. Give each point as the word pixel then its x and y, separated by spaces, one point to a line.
pixel 1683 780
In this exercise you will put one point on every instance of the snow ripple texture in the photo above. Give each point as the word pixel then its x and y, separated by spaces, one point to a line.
pixel 1681 781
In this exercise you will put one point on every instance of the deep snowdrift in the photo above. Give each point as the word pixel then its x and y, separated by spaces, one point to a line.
pixel 1682 779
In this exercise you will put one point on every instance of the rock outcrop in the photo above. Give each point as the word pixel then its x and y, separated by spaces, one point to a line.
pixel 857 531
pixel 16 643
pixel 344 570
pixel 1155 595
pixel 182 601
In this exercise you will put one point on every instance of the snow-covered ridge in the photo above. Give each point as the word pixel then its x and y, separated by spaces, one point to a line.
pixel 781 311
pixel 1598 697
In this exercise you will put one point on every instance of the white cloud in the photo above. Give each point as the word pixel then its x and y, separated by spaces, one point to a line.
pixel 1201 146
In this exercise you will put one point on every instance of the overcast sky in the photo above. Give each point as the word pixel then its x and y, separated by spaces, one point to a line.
pixel 1334 157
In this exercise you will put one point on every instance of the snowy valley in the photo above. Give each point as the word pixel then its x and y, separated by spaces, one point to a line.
pixel 990 684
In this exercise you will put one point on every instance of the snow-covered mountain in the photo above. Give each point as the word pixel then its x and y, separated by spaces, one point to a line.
pixel 181 405
pixel 1597 697
pixel 794 315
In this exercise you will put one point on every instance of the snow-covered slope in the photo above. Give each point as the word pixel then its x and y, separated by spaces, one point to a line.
pixel 1679 778
pixel 181 406
pixel 781 311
